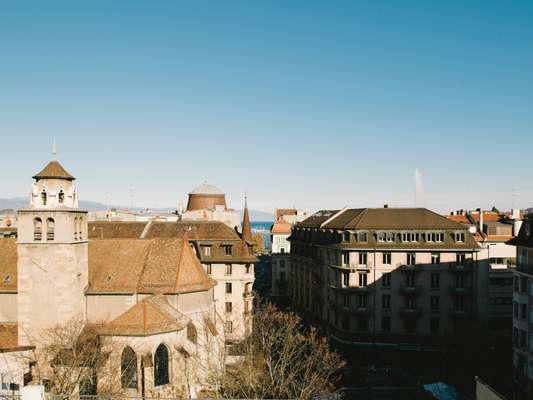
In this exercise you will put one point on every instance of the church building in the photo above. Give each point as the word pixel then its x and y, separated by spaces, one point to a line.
pixel 145 290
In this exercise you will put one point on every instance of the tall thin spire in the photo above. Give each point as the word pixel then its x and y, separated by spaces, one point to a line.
pixel 246 227
pixel 54 151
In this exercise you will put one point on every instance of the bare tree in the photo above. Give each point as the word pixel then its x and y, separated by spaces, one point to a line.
pixel 281 359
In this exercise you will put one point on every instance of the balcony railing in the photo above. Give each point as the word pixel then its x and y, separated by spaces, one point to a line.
pixel 410 312
pixel 458 313
pixel 460 291
pixel 352 288
pixel 410 289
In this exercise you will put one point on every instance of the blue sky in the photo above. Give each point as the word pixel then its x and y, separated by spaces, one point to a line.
pixel 307 104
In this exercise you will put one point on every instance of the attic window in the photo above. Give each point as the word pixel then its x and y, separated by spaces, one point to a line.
pixel 460 237
pixel 228 249
pixel 108 279
pixel 7 279
pixel 362 237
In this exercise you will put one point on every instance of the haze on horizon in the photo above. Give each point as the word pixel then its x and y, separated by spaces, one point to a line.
pixel 307 104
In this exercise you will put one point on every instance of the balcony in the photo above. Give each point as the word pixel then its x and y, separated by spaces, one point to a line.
pixel 458 314
pixel 357 310
pixel 410 312
pixel 410 289
pixel 460 291
pixel 410 267
pixel 362 289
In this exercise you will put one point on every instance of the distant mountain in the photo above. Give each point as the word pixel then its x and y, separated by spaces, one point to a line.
pixel 20 202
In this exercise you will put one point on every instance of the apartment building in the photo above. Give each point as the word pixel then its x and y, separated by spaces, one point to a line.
pixel 523 311
pixel 382 275
pixel 280 251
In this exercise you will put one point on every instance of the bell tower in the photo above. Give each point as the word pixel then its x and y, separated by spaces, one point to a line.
pixel 52 251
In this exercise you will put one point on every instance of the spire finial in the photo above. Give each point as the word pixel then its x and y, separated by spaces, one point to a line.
pixel 54 151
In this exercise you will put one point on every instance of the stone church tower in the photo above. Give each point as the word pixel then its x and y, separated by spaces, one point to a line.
pixel 52 255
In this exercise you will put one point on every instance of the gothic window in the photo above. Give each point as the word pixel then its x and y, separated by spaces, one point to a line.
pixel 43 198
pixel 37 229
pixel 61 197
pixel 161 375
pixel 50 227
pixel 128 369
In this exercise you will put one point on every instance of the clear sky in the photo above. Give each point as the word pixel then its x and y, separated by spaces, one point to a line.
pixel 298 103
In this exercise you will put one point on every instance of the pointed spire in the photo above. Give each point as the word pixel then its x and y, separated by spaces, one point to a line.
pixel 246 228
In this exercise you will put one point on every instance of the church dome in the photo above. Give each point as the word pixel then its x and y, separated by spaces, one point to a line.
pixel 206 197
pixel 206 189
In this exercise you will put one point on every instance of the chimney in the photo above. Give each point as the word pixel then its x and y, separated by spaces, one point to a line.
pixel 481 220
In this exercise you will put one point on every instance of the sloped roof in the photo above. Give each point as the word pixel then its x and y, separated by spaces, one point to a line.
pixel 281 227
pixel 8 265
pixel 151 316
pixel 280 212
pixel 246 227
pixel 317 219
pixel 391 218
pixel 460 218
pixel 54 170
pixel 145 266
pixel 525 235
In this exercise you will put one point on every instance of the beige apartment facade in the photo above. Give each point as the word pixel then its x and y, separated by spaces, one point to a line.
pixel 384 275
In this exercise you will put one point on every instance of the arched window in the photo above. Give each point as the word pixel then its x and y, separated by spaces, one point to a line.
pixel 37 229
pixel 161 366
pixel 61 197
pixel 43 198
pixel 128 369
pixel 50 227
pixel 191 333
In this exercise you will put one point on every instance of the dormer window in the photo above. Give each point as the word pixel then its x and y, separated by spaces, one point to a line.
pixel 61 197
pixel 206 250
pixel 43 198
pixel 362 236
pixel 436 237
pixel 346 236
pixel 381 237
pixel 228 249
pixel 459 237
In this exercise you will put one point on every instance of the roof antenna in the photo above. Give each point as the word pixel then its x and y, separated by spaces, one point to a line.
pixel 54 151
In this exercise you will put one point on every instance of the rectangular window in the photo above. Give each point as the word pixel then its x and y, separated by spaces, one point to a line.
pixel 346 300
pixel 345 322
pixel 411 258
pixel 249 267
pixel 346 279
pixel 228 287
pixel 460 258
pixel 228 269
pixel 435 281
pixel 229 326
pixel 228 306
pixel 459 281
pixel 523 311
pixel 434 302
pixel 362 236
pixel 363 257
pixel 345 258
pixel 206 251
pixel 208 269
pixel 434 325
pixel 410 280
pixel 459 304
pixel 435 258
pixel 385 301
pixel 362 279
pixel 390 237
pixel 228 249
pixel 381 237
pixel 385 280
pixel 460 237
pixel 362 324
pixel 387 258
pixel 361 300
pixel 385 324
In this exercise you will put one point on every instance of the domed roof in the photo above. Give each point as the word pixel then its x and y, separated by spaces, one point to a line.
pixel 207 189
